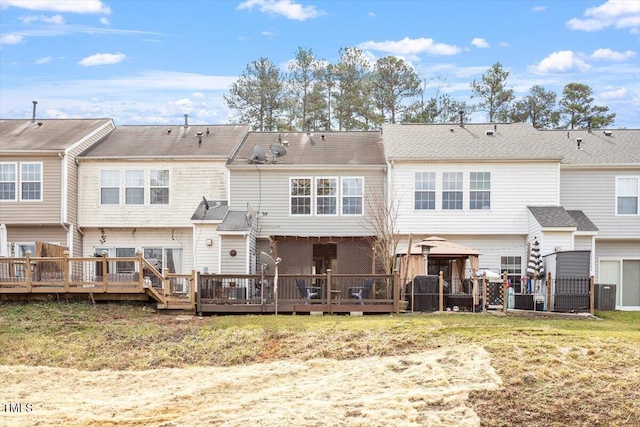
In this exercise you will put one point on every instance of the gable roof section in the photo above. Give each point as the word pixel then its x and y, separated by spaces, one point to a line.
pixel 470 142
pixel 234 221
pixel 552 216
pixel 598 147
pixel 355 148
pixel 45 135
pixel 216 212
pixel 584 223
pixel 125 142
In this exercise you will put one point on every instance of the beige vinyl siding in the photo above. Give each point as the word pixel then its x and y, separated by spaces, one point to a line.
pixel 555 241
pixel 29 234
pixel 47 211
pixel 189 182
pixel 268 193
pixel 513 188
pixel 594 192
pixel 140 238
pixel 581 243
pixel 207 256
pixel 233 264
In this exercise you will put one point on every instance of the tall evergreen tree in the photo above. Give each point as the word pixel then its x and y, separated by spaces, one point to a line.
pixel 303 76
pixel 349 90
pixel 394 81
pixel 576 109
pixel 537 108
pixel 257 96
pixel 493 92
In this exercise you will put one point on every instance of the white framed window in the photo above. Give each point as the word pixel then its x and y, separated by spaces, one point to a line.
pixel 8 181
pixel 452 190
pixel 300 196
pixel 134 187
pixel 159 187
pixel 326 196
pixel 425 191
pixel 479 190
pixel 627 195
pixel 352 195
pixel 109 187
pixel 125 266
pixel 513 266
pixel 21 249
pixel 31 181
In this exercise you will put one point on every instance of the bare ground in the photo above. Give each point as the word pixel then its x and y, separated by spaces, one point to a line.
pixel 425 388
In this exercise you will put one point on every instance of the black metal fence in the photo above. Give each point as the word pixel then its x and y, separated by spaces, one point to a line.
pixel 571 294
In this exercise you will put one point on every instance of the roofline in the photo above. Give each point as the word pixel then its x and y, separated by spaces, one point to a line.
pixel 233 233
pixel 586 233
pixel 279 167
pixel 105 125
pixel 552 228
pixel 600 166
pixel 200 158
pixel 475 160
pixel 34 152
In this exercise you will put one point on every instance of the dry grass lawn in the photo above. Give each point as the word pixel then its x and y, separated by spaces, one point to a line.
pixel 124 365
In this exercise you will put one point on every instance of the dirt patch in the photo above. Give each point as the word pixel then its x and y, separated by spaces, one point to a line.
pixel 426 388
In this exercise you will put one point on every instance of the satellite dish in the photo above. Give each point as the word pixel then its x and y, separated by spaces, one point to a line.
pixel 267 260
pixel 258 154
pixel 250 213
pixel 206 204
pixel 278 151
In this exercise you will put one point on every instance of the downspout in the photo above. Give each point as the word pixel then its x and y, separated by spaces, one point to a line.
pixel 63 201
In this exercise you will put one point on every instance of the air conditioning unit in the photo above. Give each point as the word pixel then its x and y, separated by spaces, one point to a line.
pixel 605 297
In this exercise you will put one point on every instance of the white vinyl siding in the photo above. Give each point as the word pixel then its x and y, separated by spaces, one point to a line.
pixel 8 181
pixel 627 195
pixel 425 190
pixel 479 190
pixel 352 196
pixel 31 181
pixel 134 191
pixel 452 194
pixel 110 187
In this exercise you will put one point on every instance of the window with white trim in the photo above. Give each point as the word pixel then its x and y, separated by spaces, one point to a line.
pixel 425 190
pixel 8 180
pixel 452 190
pixel 352 196
pixel 110 187
pixel 479 190
pixel 513 266
pixel 627 195
pixel 31 181
pixel 134 187
pixel 326 196
pixel 159 187
pixel 125 266
pixel 300 196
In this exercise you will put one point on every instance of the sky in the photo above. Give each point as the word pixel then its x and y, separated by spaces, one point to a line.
pixel 150 62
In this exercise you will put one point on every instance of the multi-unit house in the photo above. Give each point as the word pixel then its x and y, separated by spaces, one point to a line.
pixel 140 185
pixel 39 180
pixel 312 196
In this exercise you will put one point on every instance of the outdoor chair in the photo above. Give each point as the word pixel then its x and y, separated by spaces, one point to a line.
pixel 362 292
pixel 307 292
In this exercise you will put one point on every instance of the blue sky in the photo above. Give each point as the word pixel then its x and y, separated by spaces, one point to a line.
pixel 149 62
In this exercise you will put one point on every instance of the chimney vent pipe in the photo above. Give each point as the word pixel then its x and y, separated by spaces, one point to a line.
pixel 33 118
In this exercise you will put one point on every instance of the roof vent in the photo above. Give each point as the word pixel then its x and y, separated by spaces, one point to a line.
pixel 608 133
pixel 461 113
pixel 579 141
pixel 186 123
pixel 489 132
pixel 33 118
pixel 168 131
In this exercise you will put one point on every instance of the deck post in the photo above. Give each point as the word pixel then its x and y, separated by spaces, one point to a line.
pixel 592 295
pixel 505 296
pixel 27 270
pixel 165 283
pixel 549 291
pixel 328 290
pixel 65 271
pixel 441 292
pixel 192 288
pixel 395 291
pixel 484 292
pixel 140 268
pixel 105 271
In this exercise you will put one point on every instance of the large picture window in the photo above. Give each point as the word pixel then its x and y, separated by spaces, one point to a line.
pixel 326 196
pixel 425 190
pixel 627 195
pixel 352 195
pixel 300 193
pixel 134 191
pixel 109 187
pixel 159 187
pixel 451 190
pixel 31 181
pixel 480 190
pixel 8 179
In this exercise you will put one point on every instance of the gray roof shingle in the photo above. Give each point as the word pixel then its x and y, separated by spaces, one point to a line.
pixel 235 221
pixel 45 134
pixel 618 146
pixel 216 212
pixel 319 148
pixel 583 221
pixel 552 216
pixel 169 142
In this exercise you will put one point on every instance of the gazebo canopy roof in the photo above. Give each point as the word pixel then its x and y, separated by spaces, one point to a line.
pixel 440 248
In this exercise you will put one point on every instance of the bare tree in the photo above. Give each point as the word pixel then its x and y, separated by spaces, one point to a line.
pixel 381 220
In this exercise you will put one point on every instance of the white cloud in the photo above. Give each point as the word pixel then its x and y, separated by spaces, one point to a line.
pixel 411 47
pixel 43 60
pixel 55 19
pixel 619 93
pixel 102 59
pixel 84 6
pixel 504 44
pixel 563 61
pixel 371 14
pixel 614 13
pixel 286 8
pixel 11 39
pixel 538 8
pixel 610 55
pixel 198 95
pixel 480 43
pixel 268 33
pixel 105 21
